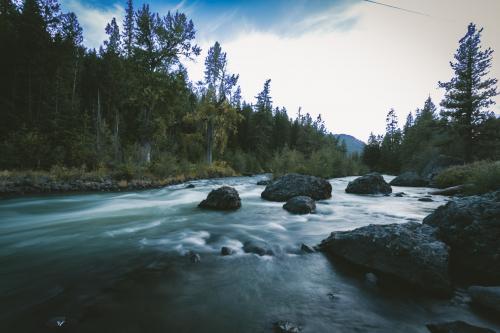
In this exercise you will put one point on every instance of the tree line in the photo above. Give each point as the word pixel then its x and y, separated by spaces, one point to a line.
pixel 465 128
pixel 131 103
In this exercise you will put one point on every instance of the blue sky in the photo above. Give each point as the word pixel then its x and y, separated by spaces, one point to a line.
pixel 350 60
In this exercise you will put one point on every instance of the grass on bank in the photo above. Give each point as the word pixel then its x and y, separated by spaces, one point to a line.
pixel 480 177
pixel 164 174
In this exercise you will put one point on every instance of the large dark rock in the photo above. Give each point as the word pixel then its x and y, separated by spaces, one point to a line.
pixel 486 297
pixel 410 252
pixel 258 247
pixel 410 179
pixel 457 327
pixel 372 183
pixel 293 185
pixel 438 164
pixel 471 227
pixel 300 205
pixel 264 182
pixel 223 198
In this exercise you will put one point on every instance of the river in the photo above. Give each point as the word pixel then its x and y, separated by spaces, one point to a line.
pixel 116 262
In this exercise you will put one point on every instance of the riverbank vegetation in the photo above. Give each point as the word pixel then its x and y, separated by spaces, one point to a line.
pixel 465 129
pixel 130 108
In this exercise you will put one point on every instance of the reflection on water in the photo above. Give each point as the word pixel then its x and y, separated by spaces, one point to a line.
pixel 116 263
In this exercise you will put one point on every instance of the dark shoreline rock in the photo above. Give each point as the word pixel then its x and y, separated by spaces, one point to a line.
pixel 372 183
pixel 293 185
pixel 223 198
pixel 300 205
pixel 409 179
pixel 470 226
pixel 457 327
pixel 409 252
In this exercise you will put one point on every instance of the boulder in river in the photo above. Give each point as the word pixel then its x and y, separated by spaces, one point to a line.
pixel 293 185
pixel 264 182
pixel 300 205
pixel 372 183
pixel 486 297
pixel 409 252
pixel 457 327
pixel 258 247
pixel 471 228
pixel 226 251
pixel 223 198
pixel 438 164
pixel 410 179
pixel 425 199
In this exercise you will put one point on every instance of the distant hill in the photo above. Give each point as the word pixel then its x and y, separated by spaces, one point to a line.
pixel 353 145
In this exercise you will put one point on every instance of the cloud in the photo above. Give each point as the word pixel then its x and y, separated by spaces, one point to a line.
pixel 388 59
pixel 93 19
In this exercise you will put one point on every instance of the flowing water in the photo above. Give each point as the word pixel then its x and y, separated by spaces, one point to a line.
pixel 116 262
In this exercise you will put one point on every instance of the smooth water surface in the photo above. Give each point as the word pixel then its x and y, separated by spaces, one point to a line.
pixel 116 262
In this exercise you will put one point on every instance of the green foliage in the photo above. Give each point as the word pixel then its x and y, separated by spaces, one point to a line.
pixel 481 176
pixel 128 111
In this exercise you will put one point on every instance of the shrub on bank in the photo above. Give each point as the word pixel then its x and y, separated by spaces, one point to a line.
pixel 481 176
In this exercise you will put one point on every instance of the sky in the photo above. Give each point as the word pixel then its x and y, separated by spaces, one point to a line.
pixel 348 60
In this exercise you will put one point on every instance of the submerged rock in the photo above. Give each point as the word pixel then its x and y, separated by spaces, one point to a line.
pixel 293 185
pixel 410 252
pixel 223 198
pixel 457 327
pixel 471 227
pixel 190 186
pixel 300 205
pixel 226 251
pixel 425 199
pixel 371 278
pixel 193 257
pixel 306 248
pixel 258 247
pixel 264 182
pixel 410 179
pixel 400 194
pixel 57 322
pixel 284 326
pixel 372 183
pixel 486 297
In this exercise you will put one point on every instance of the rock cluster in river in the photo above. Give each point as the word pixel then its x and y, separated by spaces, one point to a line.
pixel 372 183
pixel 300 205
pixel 458 242
pixel 223 198
pixel 471 227
pixel 410 252
pixel 293 185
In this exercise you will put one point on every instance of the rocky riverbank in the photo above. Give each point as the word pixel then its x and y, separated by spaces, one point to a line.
pixel 12 186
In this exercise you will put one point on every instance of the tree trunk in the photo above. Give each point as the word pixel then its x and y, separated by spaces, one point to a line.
pixel 210 132
pixel 116 136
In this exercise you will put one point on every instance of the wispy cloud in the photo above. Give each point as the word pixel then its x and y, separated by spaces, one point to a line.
pixel 93 19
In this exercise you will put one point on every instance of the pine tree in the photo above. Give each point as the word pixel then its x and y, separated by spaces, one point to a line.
pixel 469 93
pixel 128 29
